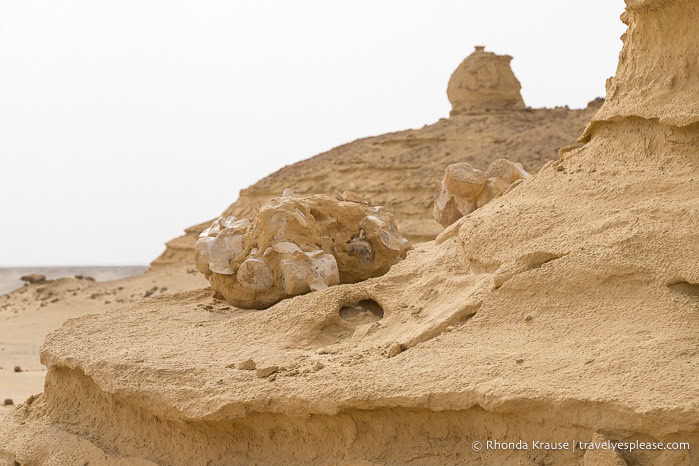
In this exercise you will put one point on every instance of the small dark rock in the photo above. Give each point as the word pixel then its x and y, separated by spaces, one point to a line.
pixel 248 365
pixel 266 371
pixel 395 349
pixel 363 249
pixel 18 369
pixel 8 402
pixel 33 278
pixel 317 366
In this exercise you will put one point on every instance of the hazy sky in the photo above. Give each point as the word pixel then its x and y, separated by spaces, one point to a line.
pixel 122 123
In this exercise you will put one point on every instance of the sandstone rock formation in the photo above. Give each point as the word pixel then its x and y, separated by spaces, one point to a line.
pixel 400 170
pixel 297 245
pixel 484 82
pixel 565 310
pixel 465 189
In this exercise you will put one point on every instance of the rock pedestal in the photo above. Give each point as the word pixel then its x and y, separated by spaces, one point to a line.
pixel 484 82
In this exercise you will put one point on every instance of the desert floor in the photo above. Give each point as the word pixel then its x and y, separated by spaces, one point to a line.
pixel 30 312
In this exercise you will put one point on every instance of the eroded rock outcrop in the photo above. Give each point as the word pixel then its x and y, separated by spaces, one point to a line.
pixel 400 170
pixel 567 310
pixel 296 245
pixel 658 73
pixel 465 188
pixel 484 82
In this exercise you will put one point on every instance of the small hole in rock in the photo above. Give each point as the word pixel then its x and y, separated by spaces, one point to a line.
pixel 691 289
pixel 357 314
pixel 536 259
pixel 365 310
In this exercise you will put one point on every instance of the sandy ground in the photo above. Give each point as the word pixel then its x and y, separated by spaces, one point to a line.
pixel 28 314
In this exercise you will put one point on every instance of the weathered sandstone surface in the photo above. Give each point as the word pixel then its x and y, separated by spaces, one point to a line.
pixel 400 170
pixel 294 246
pixel 564 310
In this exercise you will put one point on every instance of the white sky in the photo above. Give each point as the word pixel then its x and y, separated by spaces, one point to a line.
pixel 122 123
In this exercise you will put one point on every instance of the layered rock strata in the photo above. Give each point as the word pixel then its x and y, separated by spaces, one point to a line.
pixel 400 170
pixel 565 311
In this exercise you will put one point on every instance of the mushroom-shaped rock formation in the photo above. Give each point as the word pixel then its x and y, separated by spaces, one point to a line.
pixel 297 245
pixel 484 82
pixel 465 189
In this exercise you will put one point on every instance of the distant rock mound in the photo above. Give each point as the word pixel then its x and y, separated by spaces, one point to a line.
pixel 294 246
pixel 33 278
pixel 484 82
pixel 400 170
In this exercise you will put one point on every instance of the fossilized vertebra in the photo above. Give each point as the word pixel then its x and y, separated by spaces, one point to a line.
pixel 296 245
